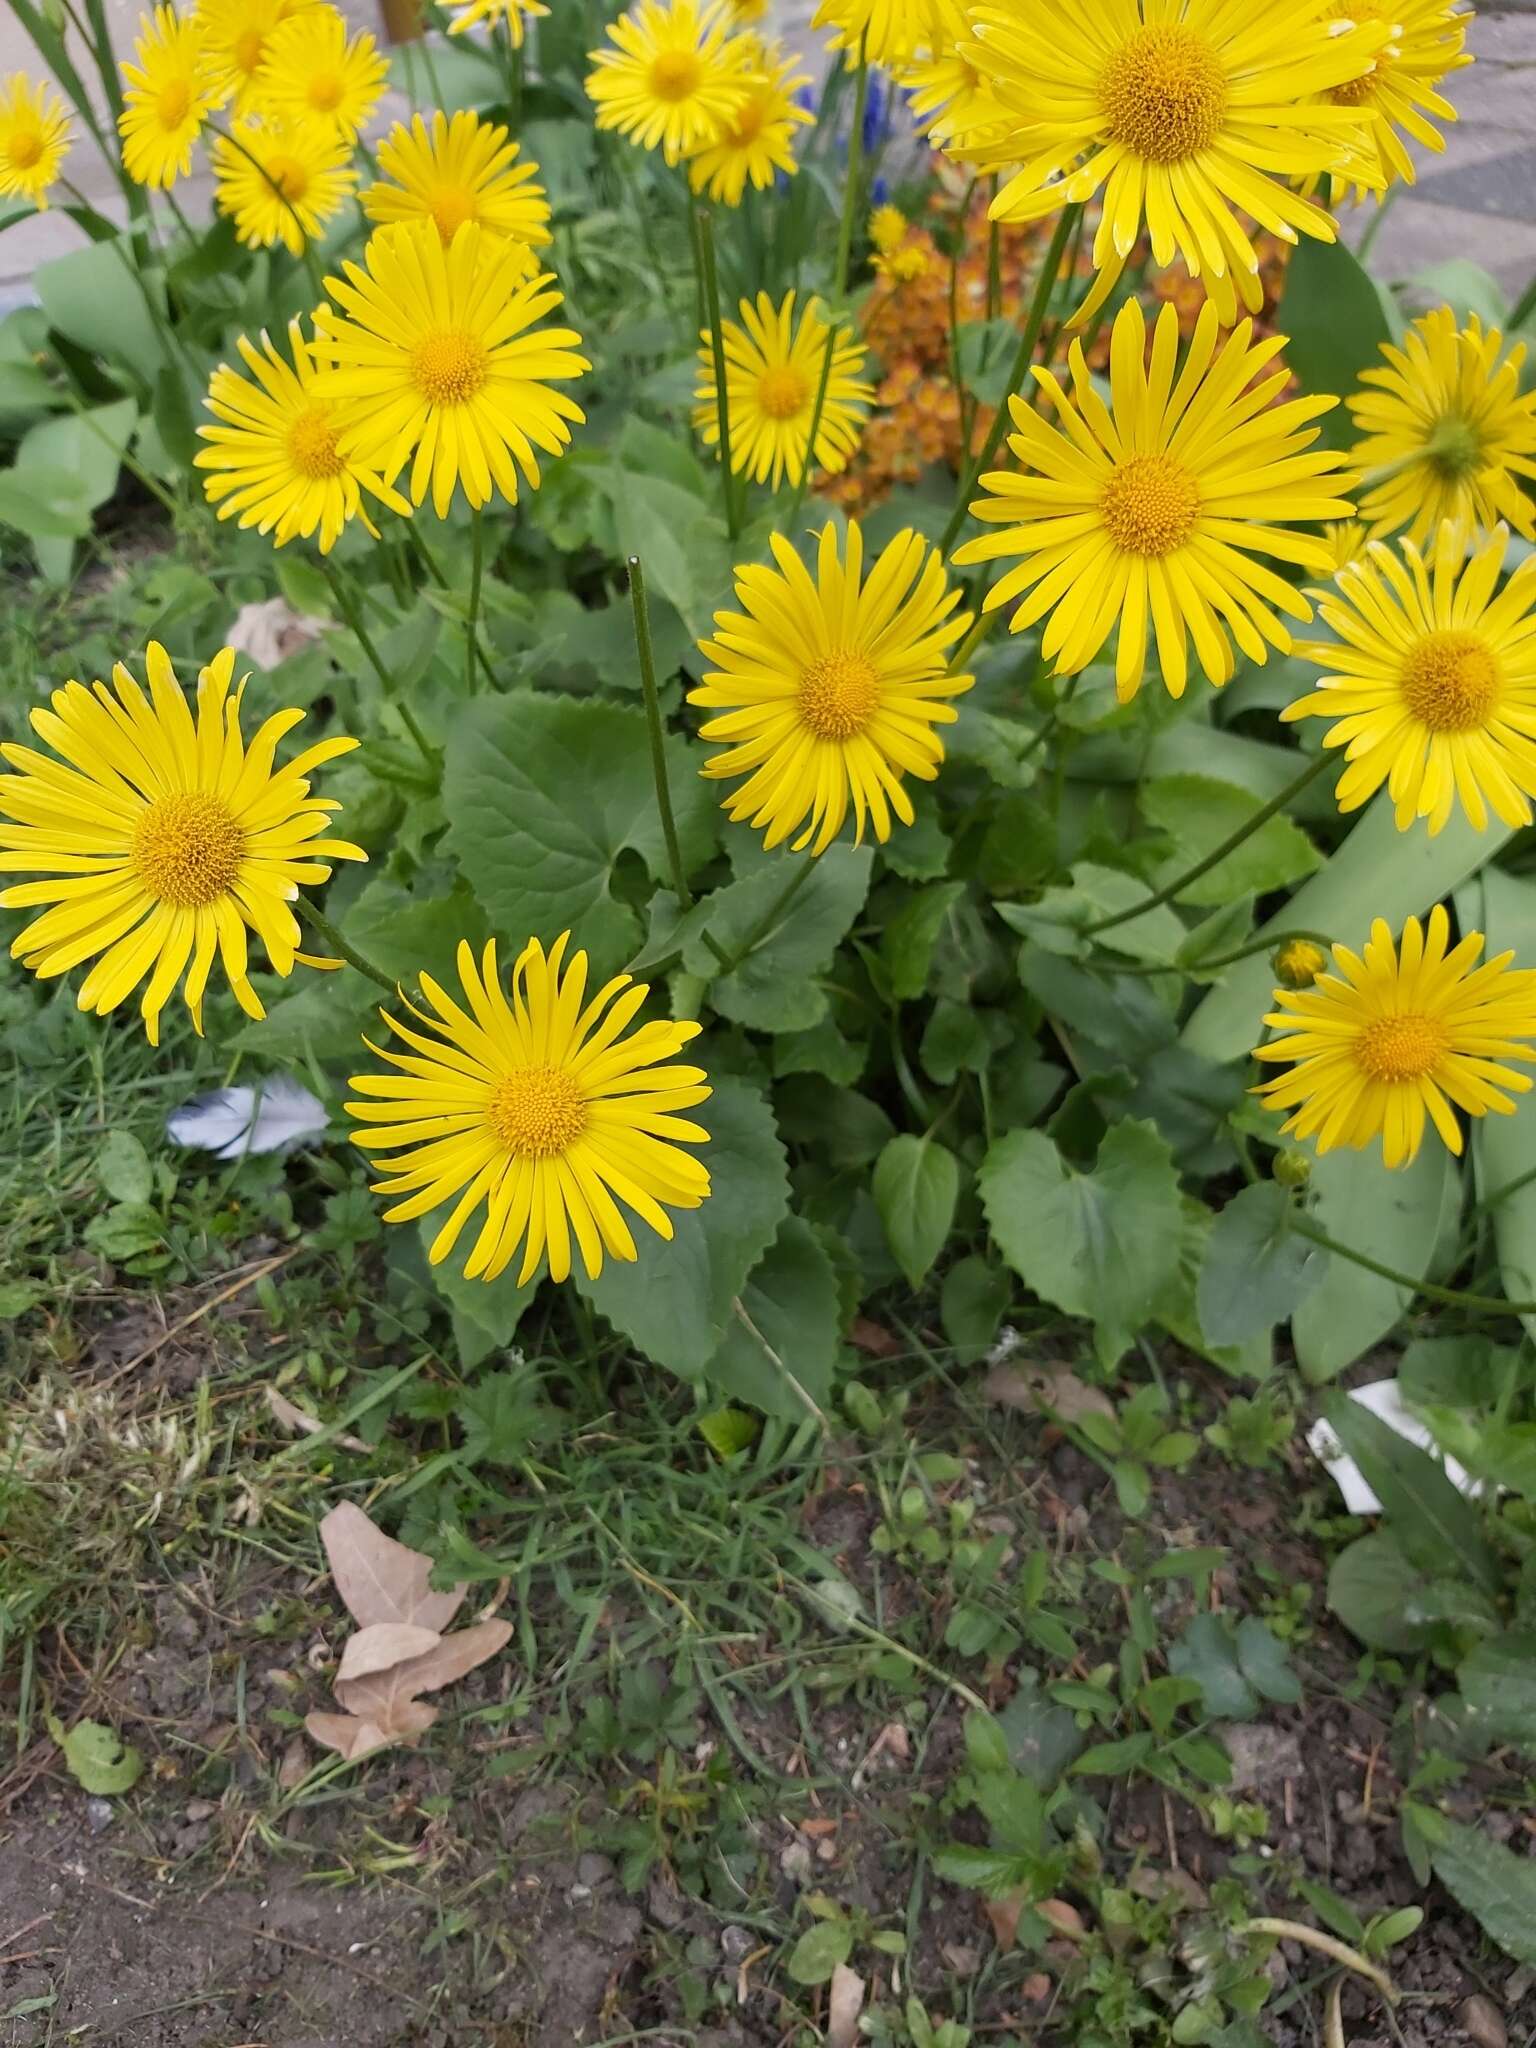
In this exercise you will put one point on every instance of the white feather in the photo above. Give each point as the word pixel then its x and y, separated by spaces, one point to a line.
pixel 232 1123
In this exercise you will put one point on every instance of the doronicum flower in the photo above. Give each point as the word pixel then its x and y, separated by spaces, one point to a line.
pixel 773 371
pixel 1149 513
pixel 235 35
pixel 34 139
pixel 274 461
pixel 831 686
pixel 1430 681
pixel 884 31
pixel 438 359
pixel 904 265
pixel 281 181
pixel 163 838
pixel 1446 432
pixel 671 75
pixel 946 92
pixel 168 93
pixel 461 168
pixel 539 1112
pixel 1345 540
pixel 757 139
pixel 312 71
pixel 1399 93
pixel 1297 963
pixel 515 14
pixel 1398 1035
pixel 1182 116
pixel 887 229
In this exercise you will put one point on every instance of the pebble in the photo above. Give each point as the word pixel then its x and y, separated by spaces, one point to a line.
pixel 1482 2022
pixel 99 1815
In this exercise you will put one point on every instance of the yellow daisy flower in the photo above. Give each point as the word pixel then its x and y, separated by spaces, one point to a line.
pixel 773 371
pixel 671 76
pixel 1298 963
pixel 540 1111
pixel 281 181
pixel 1184 116
pixel 311 71
pixel 886 31
pixel 461 168
pixel 946 92
pixel 1445 424
pixel 757 138
pixel 34 139
pixel 235 34
pixel 515 13
pixel 744 13
pixel 887 229
pixel 831 686
pixel 438 358
pixel 1345 540
pixel 1149 512
pixel 1431 681
pixel 163 838
pixel 903 266
pixel 168 93
pixel 276 460
pixel 1399 92
pixel 1398 1034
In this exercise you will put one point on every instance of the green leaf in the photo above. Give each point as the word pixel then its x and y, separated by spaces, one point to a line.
pixel 775 986
pixel 86 448
pixel 1457 1372
pixel 1373 1588
pixel 1435 1524
pixel 819 1951
pixel 123 1168
pixel 972 1302
pixel 960 1036
pixel 781 1345
pixel 502 1418
pixel 1256 1270
pixel 1336 319
pixel 994 1872
pixel 1504 1147
pixel 1198 813
pixel 674 1301
pixel 1492 1883
pixel 98 1758
pixel 545 794
pixel 820 1050
pixel 906 945
pixel 729 1431
pixel 1115 1759
pixel 47 505
pixel 1058 919
pixel 1498 1683
pixel 1207 1653
pixel 485 1313
pixel 1097 1244
pixel 91 299
pixel 1393 1217
pixel 174 414
pixel 916 1184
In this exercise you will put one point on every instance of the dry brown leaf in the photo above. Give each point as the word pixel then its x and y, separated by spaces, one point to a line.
pixel 381 1580
pixel 357 1738
pixel 845 2001
pixel 386 1644
pixel 294 1768
pixel 302 1423
pixel 1037 1389
pixel 1004 1917
pixel 874 1339
pixel 1064 1918
pixel 383 1696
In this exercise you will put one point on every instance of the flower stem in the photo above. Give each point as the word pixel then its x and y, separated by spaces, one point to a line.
pixel 472 623
pixel 352 613
pixel 709 282
pixel 855 174
pixel 647 656
pixel 343 948
pixel 1450 1297
pixel 1218 854
pixel 808 465
pixel 1045 284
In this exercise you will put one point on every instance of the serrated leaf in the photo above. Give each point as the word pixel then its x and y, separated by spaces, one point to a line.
pixel 916 1184
pixel 1256 1269
pixel 485 1313
pixel 907 943
pixel 1198 813
pixel 1492 1883
pixel 781 1344
pixel 502 1418
pixel 774 987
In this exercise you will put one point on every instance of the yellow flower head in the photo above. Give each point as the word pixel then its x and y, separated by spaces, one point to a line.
pixel 438 359
pixel 885 31
pixel 671 75
pixel 541 1112
pixel 1183 116
pixel 831 686
pixel 275 460
pixel 1298 963
pixel 1431 681
pixel 235 35
pixel 462 168
pixel 887 229
pixel 1446 423
pixel 1399 93
pixel 744 13
pixel 311 71
pixel 1149 513
pixel 34 138
pixel 1345 540
pixel 903 266
pixel 515 13
pixel 1396 1035
pixel 757 138
pixel 947 93
pixel 168 93
pixel 281 181
pixel 163 838
pixel 773 371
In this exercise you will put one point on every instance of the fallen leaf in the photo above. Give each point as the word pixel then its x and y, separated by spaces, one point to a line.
pixel 874 1339
pixel 1036 1988
pixel 1064 1918
pixel 294 1768
pixel 288 1416
pixel 384 1695
pixel 386 1644
pixel 381 1580
pixel 845 2001
pixel 356 1738
pixel 270 631
pixel 1037 1389
pixel 1003 1914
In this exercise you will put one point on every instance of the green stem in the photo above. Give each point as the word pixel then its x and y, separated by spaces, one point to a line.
pixel 709 282
pixel 1525 306
pixel 1266 942
pixel 343 948
pixel 1451 1297
pixel 791 518
pixel 854 177
pixel 129 462
pixel 1218 854
pixel 352 613
pixel 1045 284
pixel 472 623
pixel 771 916
pixel 646 653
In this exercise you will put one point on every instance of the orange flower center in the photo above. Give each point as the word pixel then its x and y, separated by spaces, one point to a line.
pixel 289 176
pixel 1355 92
pixel 312 445
pixel 674 74
pixel 537 1112
pixel 1401 1048
pixel 174 103
pixel 24 148
pixel 1164 93
pixel 324 92
pixel 449 368
pixel 450 207
pixel 838 694
pixel 187 849
pixel 1450 681
pixel 748 124
pixel 250 48
pixel 1150 505
pixel 781 392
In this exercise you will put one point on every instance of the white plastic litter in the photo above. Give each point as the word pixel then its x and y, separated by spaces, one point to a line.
pixel 233 1123
pixel 1383 1398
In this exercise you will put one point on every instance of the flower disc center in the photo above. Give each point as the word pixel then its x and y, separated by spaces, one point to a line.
pixel 449 368
pixel 1402 1048
pixel 1150 505
pixel 781 392
pixel 324 92
pixel 451 206
pixel 674 74
pixel 174 103
pixel 1164 93
pixel 537 1112
pixel 838 694
pixel 187 849
pixel 312 445
pixel 1450 681
pixel 24 148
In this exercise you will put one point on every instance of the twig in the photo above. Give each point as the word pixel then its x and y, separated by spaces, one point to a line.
pixel 214 1301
